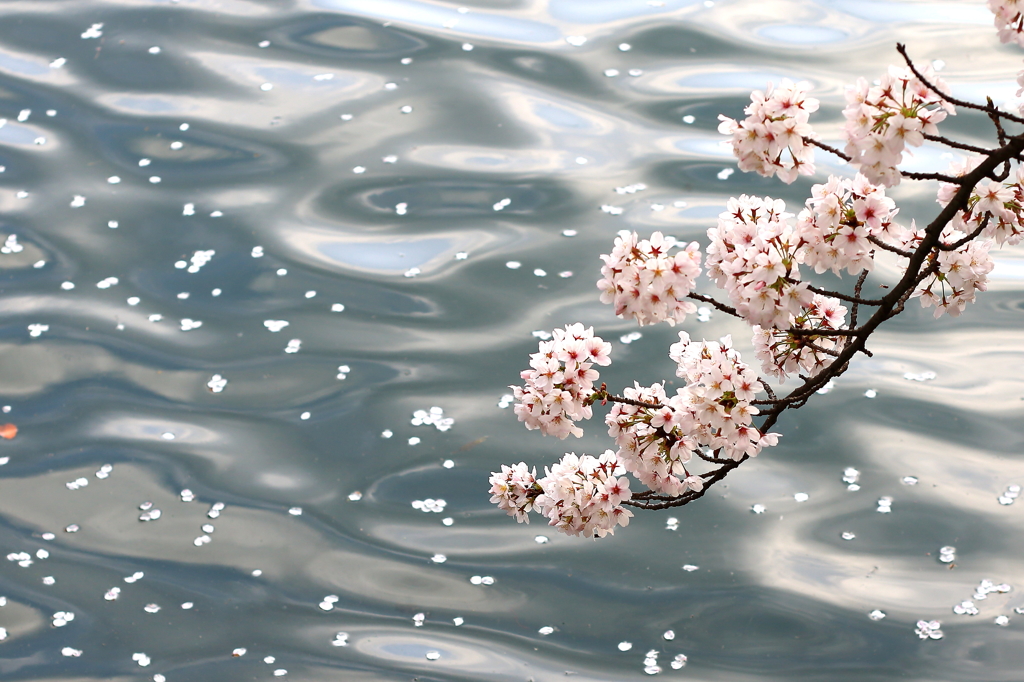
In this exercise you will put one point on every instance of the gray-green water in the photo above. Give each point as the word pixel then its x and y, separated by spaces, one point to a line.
pixel 238 128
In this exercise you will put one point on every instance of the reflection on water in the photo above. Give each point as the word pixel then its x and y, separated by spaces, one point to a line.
pixel 247 248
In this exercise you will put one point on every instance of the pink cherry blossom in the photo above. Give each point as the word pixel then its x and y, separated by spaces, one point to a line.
pixel 1000 203
pixel 654 443
pixel 514 489
pixel 719 390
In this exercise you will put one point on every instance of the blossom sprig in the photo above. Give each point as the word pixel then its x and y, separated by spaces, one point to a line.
pixel 720 391
pixel 784 353
pixel 584 495
pixel 580 495
pixel 560 381
pixel 771 140
pixel 656 443
pixel 881 120
pixel 1009 20
pixel 999 206
pixel 753 255
pixel 953 275
pixel 839 221
pixel 515 490
pixel 645 281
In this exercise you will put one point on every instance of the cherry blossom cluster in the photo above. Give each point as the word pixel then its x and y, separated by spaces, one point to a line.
pixel 959 272
pixel 1000 203
pixel 783 353
pixel 720 388
pixel 656 443
pixel 560 380
pixel 881 120
pixel 840 216
pixel 584 495
pixel 514 489
pixel 1009 20
pixel 753 256
pixel 643 280
pixel 578 495
pixel 770 140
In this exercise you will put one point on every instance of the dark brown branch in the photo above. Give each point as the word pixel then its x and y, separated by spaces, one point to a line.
pixel 857 289
pixel 843 297
pixel 991 110
pixel 931 176
pixel 720 306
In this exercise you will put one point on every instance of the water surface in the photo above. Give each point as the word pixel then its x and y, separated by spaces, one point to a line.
pixel 189 176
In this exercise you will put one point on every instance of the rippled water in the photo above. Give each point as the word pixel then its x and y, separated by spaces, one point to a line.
pixel 187 177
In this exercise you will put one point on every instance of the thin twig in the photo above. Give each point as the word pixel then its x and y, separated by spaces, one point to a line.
pixel 796 331
pixel 957 244
pixel 946 96
pixel 888 247
pixel 827 148
pixel 631 401
pixel 856 292
pixel 956 145
pixel 844 297
pixel 1000 133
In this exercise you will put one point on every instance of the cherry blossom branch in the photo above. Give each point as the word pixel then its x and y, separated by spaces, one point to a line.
pixel 890 305
pixel 716 408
